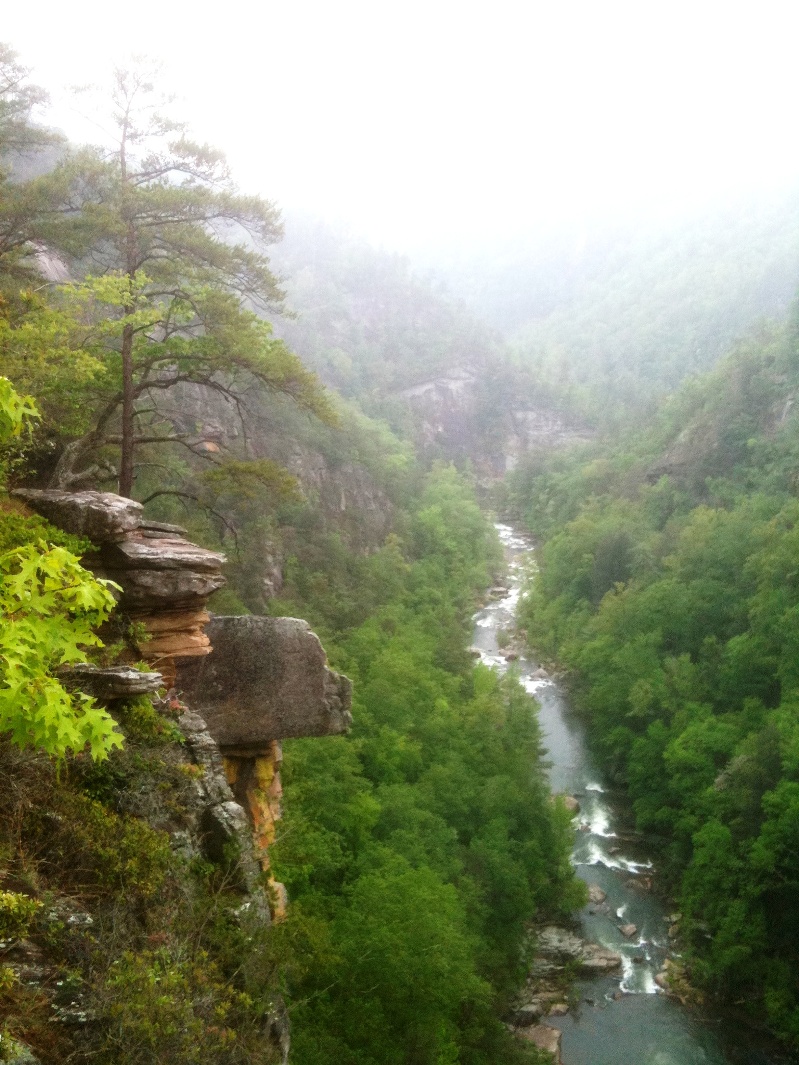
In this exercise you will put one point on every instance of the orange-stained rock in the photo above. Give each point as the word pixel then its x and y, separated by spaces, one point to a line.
pixel 278 900
pixel 178 644
pixel 255 781
pixel 174 620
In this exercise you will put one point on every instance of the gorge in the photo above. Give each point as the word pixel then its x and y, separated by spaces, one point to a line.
pixel 260 801
pixel 623 1015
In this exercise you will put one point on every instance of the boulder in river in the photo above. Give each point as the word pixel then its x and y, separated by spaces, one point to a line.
pixel 528 1014
pixel 559 944
pixel 639 883
pixel 545 1038
pixel 597 959
pixel 557 947
pixel 511 656
pixel 539 674
pixel 628 930
pixel 569 802
pixel 596 894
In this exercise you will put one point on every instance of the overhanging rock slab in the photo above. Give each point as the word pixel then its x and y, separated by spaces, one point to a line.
pixel 101 516
pixel 266 679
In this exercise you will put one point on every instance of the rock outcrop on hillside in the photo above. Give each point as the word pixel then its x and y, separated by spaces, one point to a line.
pixel 248 682
pixel 164 580
pixel 449 416
pixel 266 680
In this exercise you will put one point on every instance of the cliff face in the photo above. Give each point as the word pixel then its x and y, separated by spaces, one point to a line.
pixel 449 415
pixel 252 681
pixel 239 684
pixel 164 580
pixel 344 492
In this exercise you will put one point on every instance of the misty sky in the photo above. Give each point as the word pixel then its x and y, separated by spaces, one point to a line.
pixel 453 121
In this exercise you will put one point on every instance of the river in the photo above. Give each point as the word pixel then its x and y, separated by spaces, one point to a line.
pixel 624 1019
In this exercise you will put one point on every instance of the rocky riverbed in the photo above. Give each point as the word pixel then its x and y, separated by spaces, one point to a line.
pixel 619 959
pixel 558 956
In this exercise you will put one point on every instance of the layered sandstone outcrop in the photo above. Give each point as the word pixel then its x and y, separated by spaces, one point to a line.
pixel 268 679
pixel 164 580
pixel 249 682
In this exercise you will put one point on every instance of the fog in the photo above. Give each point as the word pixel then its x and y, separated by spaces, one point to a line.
pixel 442 125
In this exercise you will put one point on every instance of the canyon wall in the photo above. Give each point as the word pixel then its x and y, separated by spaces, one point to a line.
pixel 247 682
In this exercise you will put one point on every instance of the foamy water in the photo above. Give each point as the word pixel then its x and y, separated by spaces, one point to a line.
pixel 624 1018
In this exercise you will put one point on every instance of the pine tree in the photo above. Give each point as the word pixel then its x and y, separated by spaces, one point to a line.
pixel 182 257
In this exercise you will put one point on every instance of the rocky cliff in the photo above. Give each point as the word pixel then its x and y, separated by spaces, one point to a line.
pixel 247 682
pixel 452 415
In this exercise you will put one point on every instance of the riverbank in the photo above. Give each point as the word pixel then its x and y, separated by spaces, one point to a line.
pixel 622 1015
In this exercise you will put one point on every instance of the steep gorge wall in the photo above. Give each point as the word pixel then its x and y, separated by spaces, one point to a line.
pixel 249 682
pixel 452 416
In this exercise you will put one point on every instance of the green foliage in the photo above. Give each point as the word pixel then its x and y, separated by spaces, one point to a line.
pixel 142 721
pixel 50 608
pixel 156 947
pixel 50 348
pixel 672 598
pixel 16 914
pixel 31 203
pixel 179 272
pixel 16 412
pixel 163 1008
pixel 18 530
pixel 607 335
pixel 109 852
pixel 418 847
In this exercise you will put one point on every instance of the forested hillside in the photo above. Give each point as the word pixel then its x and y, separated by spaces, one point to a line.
pixel 137 357
pixel 324 414
pixel 366 322
pixel 609 319
pixel 668 589
pixel 416 850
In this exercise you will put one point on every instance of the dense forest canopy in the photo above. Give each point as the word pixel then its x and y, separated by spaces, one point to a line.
pixel 250 378
pixel 417 849
pixel 608 319
pixel 667 588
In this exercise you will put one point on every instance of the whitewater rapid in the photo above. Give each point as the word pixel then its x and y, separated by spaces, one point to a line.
pixel 622 1018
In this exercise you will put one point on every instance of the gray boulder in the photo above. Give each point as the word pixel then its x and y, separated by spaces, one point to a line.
pixel 114 682
pixel 266 679
pixel 557 947
pixel 99 516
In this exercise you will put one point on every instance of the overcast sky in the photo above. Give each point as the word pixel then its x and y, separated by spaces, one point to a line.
pixel 447 121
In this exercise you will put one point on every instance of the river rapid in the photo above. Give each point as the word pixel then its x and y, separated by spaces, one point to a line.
pixel 623 1018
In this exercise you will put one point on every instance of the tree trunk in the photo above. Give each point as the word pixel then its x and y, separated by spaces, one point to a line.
pixel 126 456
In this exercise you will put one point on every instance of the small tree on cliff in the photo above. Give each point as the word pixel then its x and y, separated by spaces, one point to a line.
pixel 181 257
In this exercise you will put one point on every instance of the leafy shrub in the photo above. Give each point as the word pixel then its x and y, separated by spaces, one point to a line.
pixel 16 914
